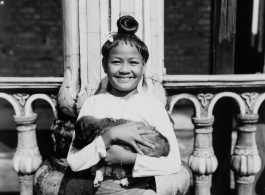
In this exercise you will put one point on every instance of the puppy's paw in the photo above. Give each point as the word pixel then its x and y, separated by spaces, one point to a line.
pixel 124 182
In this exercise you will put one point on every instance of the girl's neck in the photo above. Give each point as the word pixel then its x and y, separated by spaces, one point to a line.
pixel 123 94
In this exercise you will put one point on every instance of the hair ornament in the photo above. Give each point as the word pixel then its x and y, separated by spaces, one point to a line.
pixel 110 35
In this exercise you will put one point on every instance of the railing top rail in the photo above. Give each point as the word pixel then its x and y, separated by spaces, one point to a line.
pixel 225 77
pixel 169 82
pixel 30 82
pixel 214 81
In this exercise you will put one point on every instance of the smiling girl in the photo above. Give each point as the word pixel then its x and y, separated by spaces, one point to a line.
pixel 124 62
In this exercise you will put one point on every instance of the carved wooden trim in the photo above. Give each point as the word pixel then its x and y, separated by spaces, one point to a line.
pixel 208 152
pixel 249 98
pixel 21 97
pixel 174 99
pixel 233 95
pixel 246 150
pixel 28 152
pixel 11 99
pixel 258 102
pixel 204 98
pixel 28 105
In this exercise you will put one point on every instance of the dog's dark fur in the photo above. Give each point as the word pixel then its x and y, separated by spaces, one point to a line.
pixel 88 128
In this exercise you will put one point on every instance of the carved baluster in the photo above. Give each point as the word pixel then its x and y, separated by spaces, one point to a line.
pixel 202 160
pixel 246 161
pixel 27 158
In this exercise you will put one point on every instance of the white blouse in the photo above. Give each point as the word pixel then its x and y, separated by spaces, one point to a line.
pixel 139 107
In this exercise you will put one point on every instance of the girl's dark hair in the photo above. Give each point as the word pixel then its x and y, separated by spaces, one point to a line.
pixel 127 27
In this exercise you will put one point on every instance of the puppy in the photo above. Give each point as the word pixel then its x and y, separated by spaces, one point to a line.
pixel 87 128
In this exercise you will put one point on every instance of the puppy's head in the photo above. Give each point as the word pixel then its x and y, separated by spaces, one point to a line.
pixel 86 126
pixel 86 130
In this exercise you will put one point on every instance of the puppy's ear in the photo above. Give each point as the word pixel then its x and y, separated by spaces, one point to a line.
pixel 78 126
pixel 82 129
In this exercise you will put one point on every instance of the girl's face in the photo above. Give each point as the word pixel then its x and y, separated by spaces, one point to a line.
pixel 125 68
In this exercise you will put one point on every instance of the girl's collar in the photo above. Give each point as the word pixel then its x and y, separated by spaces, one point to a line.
pixel 120 98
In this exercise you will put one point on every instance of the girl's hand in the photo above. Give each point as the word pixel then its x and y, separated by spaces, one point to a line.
pixel 116 154
pixel 128 134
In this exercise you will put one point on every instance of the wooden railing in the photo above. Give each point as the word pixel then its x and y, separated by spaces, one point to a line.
pixel 21 93
pixel 203 91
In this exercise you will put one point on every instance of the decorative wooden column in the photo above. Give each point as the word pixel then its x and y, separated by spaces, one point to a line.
pixel 202 161
pixel 27 158
pixel 246 161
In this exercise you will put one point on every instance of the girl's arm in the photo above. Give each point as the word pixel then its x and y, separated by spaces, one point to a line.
pixel 144 166
pixel 128 134
pixel 94 152
pixel 91 154
pixel 118 156
pixel 124 134
pixel 88 156
pixel 151 166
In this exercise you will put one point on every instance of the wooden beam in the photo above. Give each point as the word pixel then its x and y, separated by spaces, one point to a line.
pixel 224 24
pixel 93 42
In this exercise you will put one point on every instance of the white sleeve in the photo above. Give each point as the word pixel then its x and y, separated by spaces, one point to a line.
pixel 151 166
pixel 91 154
pixel 88 156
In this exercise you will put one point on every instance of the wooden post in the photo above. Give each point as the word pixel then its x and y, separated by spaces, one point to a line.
pixel 71 84
pixel 202 160
pixel 27 158
pixel 246 161
pixel 224 36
